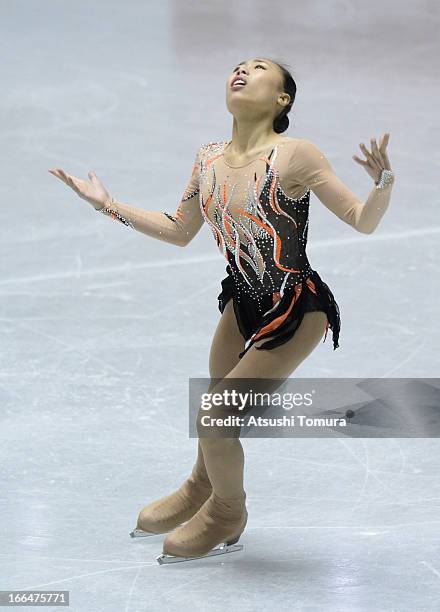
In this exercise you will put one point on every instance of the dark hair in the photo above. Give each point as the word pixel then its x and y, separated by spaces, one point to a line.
pixel 281 121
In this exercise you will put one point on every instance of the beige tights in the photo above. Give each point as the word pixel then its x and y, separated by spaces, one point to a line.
pixel 223 516
pixel 223 456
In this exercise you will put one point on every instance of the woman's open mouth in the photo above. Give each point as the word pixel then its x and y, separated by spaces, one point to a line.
pixel 238 84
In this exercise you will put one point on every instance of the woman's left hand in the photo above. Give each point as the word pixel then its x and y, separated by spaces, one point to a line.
pixel 377 160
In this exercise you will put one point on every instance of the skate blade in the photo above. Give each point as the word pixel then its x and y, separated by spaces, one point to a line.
pixel 140 533
pixel 221 550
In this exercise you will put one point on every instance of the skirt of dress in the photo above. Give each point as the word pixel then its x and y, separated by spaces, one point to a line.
pixel 279 317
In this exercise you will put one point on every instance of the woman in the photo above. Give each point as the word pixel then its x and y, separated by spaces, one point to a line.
pixel 253 192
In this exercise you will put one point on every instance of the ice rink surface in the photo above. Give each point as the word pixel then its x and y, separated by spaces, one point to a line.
pixel 102 326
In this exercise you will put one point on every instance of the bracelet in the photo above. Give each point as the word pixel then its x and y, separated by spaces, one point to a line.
pixel 115 215
pixel 386 178
pixel 104 207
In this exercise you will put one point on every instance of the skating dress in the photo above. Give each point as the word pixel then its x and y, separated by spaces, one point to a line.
pixel 261 229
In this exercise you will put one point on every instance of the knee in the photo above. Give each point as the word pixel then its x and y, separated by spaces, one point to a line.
pixel 213 380
pixel 218 446
pixel 212 430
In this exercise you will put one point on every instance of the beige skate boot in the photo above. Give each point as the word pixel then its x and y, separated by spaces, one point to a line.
pixel 172 510
pixel 214 529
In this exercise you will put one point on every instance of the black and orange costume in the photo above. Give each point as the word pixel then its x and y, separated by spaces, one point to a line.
pixel 262 232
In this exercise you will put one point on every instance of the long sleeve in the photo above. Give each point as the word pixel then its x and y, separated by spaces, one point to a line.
pixel 178 229
pixel 309 167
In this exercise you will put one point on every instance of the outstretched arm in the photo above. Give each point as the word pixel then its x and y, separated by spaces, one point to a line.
pixel 178 229
pixel 313 169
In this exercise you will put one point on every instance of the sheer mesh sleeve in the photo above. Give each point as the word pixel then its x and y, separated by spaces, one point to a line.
pixel 176 229
pixel 309 167
pixel 188 218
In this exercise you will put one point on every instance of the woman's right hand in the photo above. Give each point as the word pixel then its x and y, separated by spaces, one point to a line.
pixel 93 191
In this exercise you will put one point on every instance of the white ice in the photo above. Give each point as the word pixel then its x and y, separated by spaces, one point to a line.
pixel 101 326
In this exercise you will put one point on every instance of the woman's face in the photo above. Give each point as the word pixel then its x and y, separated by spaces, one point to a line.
pixel 261 92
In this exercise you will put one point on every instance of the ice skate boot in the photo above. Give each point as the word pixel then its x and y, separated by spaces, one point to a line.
pixel 172 510
pixel 214 530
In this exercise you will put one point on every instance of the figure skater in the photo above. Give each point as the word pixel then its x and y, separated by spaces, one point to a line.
pixel 253 192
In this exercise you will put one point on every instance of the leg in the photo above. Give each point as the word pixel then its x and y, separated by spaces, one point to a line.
pixel 170 511
pixel 224 456
pixel 222 518
pixel 227 344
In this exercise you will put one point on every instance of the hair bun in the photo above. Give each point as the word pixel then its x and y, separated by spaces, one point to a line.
pixel 281 124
